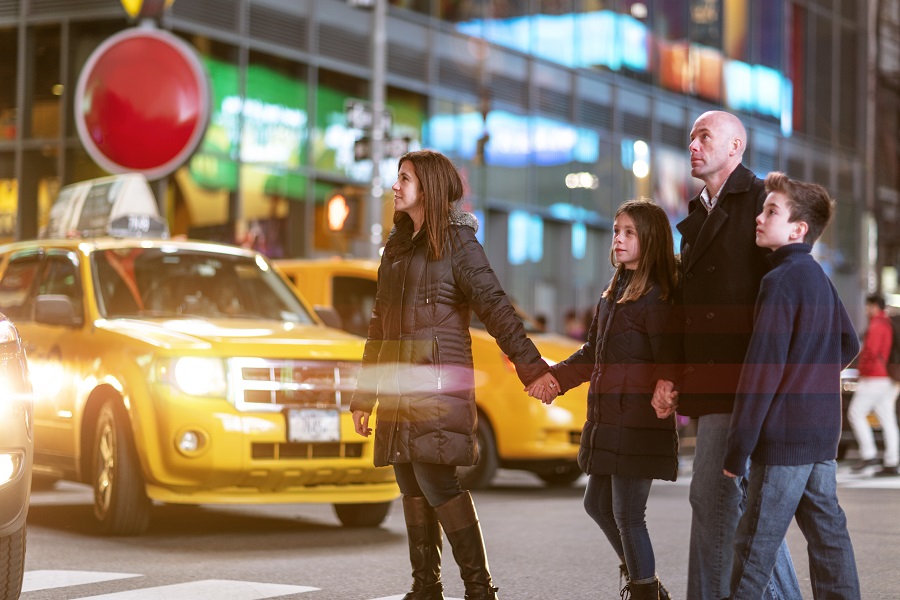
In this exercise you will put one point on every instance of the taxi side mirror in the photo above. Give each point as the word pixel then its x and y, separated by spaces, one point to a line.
pixel 329 316
pixel 55 309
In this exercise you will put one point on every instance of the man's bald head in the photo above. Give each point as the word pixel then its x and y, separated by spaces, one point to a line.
pixel 718 141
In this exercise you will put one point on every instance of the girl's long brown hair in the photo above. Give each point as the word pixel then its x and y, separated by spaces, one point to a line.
pixel 656 260
pixel 439 187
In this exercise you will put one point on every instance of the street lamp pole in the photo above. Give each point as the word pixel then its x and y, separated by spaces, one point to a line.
pixel 379 64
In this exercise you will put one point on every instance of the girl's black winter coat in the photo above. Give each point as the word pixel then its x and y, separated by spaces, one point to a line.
pixel 629 347
pixel 417 363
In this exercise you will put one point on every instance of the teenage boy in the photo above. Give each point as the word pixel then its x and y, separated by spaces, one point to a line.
pixel 787 413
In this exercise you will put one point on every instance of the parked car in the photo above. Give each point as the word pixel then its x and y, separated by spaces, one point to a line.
pixel 16 455
pixel 514 431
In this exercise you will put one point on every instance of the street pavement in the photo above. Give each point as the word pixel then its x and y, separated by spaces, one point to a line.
pixel 541 545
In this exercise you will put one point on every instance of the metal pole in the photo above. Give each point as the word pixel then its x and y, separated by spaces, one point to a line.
pixel 379 63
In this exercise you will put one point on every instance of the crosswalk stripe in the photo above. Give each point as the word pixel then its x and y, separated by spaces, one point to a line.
pixel 209 589
pixel 45 580
pixel 400 597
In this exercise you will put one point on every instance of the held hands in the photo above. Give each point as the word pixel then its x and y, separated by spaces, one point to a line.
pixel 361 423
pixel 665 399
pixel 545 388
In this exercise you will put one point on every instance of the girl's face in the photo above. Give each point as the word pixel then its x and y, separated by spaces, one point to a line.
pixel 406 191
pixel 625 242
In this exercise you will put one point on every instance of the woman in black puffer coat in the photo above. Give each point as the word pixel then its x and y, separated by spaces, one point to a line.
pixel 417 366
pixel 633 341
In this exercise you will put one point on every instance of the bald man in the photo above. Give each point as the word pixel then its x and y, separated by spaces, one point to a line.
pixel 721 272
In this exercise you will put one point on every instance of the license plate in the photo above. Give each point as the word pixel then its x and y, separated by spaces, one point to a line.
pixel 313 425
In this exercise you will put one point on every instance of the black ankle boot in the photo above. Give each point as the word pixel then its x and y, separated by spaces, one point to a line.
pixel 624 579
pixel 460 522
pixel 425 544
pixel 641 591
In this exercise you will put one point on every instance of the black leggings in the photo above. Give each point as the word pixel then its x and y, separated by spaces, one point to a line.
pixel 438 483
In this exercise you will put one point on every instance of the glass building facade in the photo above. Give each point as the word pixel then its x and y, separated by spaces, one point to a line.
pixel 555 111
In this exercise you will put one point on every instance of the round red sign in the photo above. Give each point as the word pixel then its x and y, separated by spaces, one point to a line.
pixel 142 103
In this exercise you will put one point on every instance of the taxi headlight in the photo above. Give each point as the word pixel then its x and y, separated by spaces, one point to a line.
pixel 9 466
pixel 200 376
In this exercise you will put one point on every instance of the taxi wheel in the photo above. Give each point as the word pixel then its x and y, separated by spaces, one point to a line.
pixel 362 515
pixel 560 476
pixel 12 563
pixel 480 475
pixel 120 502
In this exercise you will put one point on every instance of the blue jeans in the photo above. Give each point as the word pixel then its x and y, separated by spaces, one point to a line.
pixel 776 495
pixel 618 505
pixel 438 483
pixel 718 502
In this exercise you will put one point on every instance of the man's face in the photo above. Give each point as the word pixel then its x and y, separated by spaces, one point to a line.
pixel 712 141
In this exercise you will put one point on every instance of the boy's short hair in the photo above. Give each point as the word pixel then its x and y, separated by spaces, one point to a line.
pixel 808 202
pixel 876 299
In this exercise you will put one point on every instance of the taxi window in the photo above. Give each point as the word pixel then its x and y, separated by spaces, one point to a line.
pixel 151 282
pixel 15 286
pixel 354 299
pixel 60 276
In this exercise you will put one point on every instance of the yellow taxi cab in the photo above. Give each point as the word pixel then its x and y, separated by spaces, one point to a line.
pixel 514 431
pixel 186 372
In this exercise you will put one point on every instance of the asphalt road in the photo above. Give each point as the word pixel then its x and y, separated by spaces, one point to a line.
pixel 541 546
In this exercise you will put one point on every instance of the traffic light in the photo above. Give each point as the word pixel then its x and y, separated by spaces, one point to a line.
pixel 342 212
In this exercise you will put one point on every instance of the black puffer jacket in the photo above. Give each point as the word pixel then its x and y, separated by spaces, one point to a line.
pixel 629 347
pixel 417 363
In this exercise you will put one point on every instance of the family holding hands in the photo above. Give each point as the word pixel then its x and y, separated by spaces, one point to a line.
pixel 742 331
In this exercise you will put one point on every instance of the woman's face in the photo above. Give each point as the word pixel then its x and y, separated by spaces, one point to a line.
pixel 407 192
pixel 625 241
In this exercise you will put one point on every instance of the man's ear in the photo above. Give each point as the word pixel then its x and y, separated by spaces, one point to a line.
pixel 736 145
pixel 799 230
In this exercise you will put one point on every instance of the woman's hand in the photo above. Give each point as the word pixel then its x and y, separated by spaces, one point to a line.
pixel 545 388
pixel 361 423
pixel 665 399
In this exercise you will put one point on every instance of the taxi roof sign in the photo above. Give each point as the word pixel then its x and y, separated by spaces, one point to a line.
pixel 120 206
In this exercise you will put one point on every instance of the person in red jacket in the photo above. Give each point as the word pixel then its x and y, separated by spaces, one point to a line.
pixel 875 392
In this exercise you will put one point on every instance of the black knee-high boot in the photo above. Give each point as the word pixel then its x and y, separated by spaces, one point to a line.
pixel 425 542
pixel 460 522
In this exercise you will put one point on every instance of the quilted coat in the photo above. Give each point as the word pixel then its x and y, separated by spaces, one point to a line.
pixel 629 346
pixel 417 364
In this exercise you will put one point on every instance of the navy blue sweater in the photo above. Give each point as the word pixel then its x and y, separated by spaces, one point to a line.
pixel 788 405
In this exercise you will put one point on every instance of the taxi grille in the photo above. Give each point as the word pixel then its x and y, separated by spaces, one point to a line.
pixel 292 451
pixel 267 384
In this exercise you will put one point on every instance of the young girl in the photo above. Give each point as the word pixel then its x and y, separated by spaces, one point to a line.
pixel 632 342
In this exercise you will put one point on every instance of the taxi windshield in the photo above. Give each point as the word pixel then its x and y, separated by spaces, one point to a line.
pixel 161 282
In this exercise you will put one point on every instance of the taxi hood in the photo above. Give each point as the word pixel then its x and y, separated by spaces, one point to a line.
pixel 239 337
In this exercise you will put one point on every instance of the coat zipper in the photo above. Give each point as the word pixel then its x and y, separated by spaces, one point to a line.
pixel 437 358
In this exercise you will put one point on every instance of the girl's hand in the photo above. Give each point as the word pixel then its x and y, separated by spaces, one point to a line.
pixel 361 423
pixel 545 388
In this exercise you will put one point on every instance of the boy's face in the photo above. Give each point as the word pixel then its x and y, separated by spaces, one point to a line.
pixel 773 229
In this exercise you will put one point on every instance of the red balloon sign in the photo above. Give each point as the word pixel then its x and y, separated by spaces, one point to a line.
pixel 142 103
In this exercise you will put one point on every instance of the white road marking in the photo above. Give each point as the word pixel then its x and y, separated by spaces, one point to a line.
pixel 209 589
pixel 45 580
pixel 400 597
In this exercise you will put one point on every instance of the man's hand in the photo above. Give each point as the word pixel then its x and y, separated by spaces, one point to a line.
pixel 665 399
pixel 361 423
pixel 545 388
pixel 728 473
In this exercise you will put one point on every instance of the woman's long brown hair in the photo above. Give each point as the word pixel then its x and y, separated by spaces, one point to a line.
pixel 656 260
pixel 439 187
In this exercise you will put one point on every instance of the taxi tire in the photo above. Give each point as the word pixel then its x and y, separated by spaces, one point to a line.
pixel 561 476
pixel 480 475
pixel 12 564
pixel 362 515
pixel 121 505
